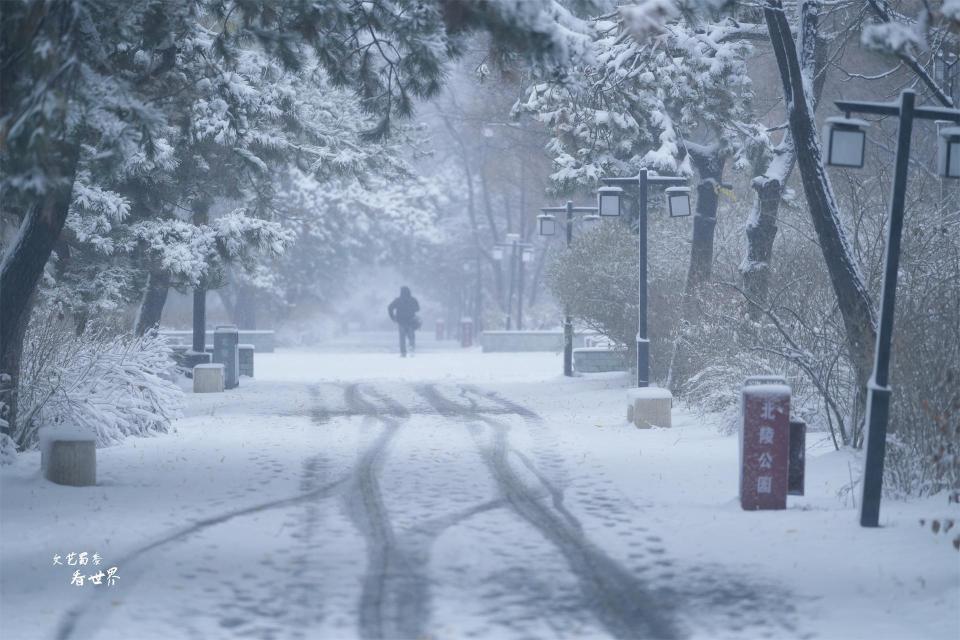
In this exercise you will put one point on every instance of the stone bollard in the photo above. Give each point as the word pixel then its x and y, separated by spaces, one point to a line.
pixel 466 332
pixel 68 457
pixel 245 359
pixel 226 339
pixel 208 378
pixel 649 407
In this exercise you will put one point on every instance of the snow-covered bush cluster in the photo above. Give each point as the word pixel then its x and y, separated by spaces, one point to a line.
pixel 108 383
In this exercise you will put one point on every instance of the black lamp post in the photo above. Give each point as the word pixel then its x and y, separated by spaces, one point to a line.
pixel 513 245
pixel 844 149
pixel 548 227
pixel 678 201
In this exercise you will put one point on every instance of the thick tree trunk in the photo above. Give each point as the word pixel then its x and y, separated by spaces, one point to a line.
pixel 154 299
pixel 761 228
pixel 710 169
pixel 20 272
pixel 709 163
pixel 853 300
pixel 201 209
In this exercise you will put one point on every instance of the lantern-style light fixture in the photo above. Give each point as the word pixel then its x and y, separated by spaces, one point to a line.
pixel 591 221
pixel 547 223
pixel 512 237
pixel 948 153
pixel 678 201
pixel 609 201
pixel 498 253
pixel 527 254
pixel 845 140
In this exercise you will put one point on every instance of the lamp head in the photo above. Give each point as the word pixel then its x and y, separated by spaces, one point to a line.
pixel 845 141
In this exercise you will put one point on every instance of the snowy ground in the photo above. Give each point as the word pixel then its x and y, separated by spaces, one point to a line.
pixel 349 493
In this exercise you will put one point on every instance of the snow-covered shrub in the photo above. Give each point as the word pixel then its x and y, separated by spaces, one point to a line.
pixel 923 448
pixel 725 348
pixel 112 384
pixel 596 279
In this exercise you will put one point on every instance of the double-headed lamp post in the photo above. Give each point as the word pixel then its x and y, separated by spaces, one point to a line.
pixel 845 139
pixel 610 201
pixel 513 245
pixel 547 224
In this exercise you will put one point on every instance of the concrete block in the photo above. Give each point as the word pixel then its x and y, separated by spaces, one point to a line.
pixel 68 456
pixel 649 407
pixel 598 359
pixel 208 378
pixel 245 354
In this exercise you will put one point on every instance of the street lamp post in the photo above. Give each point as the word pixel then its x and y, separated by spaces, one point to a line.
pixel 878 389
pixel 513 245
pixel 679 204
pixel 548 226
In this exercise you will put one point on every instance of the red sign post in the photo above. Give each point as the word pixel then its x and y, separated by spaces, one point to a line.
pixel 765 447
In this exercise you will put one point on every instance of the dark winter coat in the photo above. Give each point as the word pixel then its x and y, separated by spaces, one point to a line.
pixel 403 310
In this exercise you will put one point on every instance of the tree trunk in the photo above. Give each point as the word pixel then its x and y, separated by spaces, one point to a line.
pixel 245 308
pixel 853 300
pixel 154 299
pixel 710 169
pixel 761 228
pixel 709 163
pixel 20 272
pixel 201 209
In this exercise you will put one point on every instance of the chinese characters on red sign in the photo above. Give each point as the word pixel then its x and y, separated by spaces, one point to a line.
pixel 765 447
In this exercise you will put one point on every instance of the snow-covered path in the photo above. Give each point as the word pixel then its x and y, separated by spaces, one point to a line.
pixel 358 495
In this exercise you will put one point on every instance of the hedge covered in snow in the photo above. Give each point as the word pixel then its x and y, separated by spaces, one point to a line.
pixel 109 383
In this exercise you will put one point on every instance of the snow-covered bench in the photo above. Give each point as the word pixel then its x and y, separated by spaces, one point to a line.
pixel 598 359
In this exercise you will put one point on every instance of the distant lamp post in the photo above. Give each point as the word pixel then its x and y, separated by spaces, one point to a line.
pixel 948 153
pixel 547 224
pixel 569 210
pixel 845 140
pixel 678 201
pixel 641 183
pixel 513 245
pixel 610 201
pixel 878 389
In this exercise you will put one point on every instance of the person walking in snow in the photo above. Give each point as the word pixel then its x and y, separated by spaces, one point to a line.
pixel 403 311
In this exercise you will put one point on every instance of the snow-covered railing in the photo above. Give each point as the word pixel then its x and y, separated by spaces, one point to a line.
pixel 494 341
pixel 263 340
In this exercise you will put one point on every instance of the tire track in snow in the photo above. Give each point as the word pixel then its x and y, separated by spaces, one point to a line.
pixel 395 598
pixel 619 601
pixel 78 621
pixel 85 619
